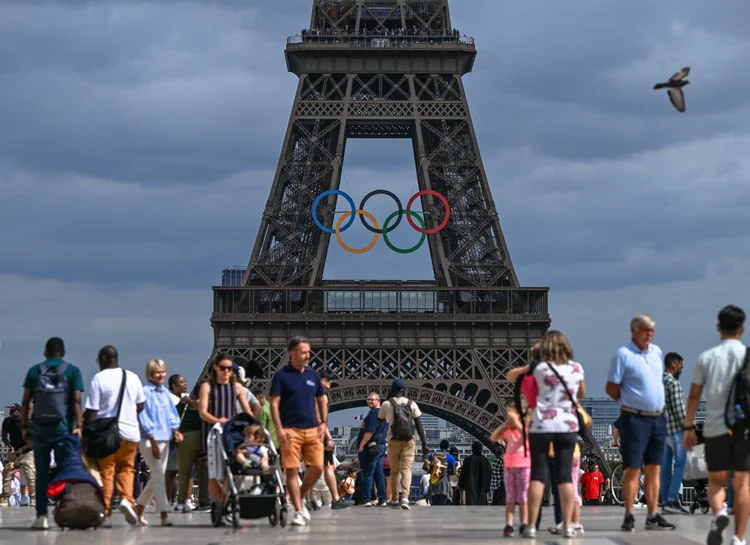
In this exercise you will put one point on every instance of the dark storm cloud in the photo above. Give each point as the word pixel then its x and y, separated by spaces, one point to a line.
pixel 165 93
pixel 139 140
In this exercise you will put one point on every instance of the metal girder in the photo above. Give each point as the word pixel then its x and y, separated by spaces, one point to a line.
pixel 393 69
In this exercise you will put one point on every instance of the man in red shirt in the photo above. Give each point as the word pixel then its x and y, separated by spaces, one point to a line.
pixel 592 482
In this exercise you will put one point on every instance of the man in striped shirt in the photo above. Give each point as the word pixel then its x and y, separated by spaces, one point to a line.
pixel 674 451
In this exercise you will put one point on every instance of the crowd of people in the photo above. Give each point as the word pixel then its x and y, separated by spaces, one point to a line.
pixel 158 422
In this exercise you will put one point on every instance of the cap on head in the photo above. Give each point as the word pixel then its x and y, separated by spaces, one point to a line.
pixel 398 384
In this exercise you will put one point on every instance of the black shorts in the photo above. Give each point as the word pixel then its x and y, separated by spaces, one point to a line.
pixel 726 452
pixel 327 458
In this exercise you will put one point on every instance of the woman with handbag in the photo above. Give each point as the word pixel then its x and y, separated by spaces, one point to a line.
pixel 556 419
pixel 159 425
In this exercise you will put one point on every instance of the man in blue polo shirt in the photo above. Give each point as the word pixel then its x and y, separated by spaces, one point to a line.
pixel 48 428
pixel 299 408
pixel 635 382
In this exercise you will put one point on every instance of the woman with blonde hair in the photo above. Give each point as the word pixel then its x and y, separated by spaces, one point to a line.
pixel 159 425
pixel 554 420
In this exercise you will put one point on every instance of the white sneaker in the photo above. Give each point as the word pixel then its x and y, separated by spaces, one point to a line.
pixel 298 519
pixel 126 508
pixel 189 506
pixel 405 503
pixel 368 504
pixel 737 541
pixel 578 528
pixel 569 532
pixel 529 532
pixel 106 522
pixel 40 523
pixel 556 529
pixel 305 513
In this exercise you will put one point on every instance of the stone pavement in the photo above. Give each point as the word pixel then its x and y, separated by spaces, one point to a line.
pixel 427 525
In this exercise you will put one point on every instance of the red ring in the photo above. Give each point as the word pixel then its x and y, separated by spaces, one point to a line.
pixel 447 212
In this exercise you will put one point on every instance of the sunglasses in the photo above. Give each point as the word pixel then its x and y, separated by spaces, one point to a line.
pixel 225 367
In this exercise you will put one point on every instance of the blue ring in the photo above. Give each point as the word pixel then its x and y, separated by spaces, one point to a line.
pixel 315 210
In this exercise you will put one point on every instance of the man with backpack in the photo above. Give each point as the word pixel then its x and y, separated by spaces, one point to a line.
pixel 723 373
pixel 441 466
pixel 399 411
pixel 55 388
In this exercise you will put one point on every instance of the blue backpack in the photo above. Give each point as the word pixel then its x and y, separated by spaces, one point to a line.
pixel 51 395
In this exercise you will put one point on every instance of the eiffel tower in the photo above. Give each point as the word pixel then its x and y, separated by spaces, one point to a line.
pixel 387 69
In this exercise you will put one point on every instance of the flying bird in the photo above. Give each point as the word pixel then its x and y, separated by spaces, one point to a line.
pixel 674 88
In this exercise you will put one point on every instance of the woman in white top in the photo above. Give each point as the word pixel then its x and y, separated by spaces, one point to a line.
pixel 554 421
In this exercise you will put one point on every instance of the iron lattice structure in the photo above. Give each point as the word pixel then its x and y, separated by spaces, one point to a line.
pixel 387 69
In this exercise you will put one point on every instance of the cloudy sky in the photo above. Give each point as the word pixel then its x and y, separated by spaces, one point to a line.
pixel 138 143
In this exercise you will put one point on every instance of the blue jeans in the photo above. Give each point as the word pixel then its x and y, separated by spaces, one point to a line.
pixel 671 481
pixel 372 470
pixel 47 439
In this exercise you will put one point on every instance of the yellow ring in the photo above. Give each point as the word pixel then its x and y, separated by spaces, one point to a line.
pixel 355 250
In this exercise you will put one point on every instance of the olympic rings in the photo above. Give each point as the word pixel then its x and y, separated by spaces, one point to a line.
pixel 315 210
pixel 447 212
pixel 392 196
pixel 366 248
pixel 387 227
pixel 399 250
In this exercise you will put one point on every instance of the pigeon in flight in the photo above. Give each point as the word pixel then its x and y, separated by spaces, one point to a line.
pixel 674 88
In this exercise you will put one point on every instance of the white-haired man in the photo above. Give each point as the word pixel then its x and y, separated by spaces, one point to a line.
pixel 634 380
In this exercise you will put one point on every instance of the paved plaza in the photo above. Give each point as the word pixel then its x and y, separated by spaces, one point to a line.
pixel 428 525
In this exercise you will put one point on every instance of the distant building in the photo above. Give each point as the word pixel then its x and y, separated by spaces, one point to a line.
pixel 602 409
pixel 429 421
pixel 602 432
pixel 232 276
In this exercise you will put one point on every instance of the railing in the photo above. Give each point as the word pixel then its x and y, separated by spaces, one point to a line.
pixel 378 41
pixel 382 299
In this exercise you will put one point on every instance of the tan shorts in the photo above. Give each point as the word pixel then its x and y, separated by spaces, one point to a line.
pixel 303 443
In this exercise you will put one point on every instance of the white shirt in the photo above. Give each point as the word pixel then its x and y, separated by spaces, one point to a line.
pixel 715 371
pixel 102 398
pixel 554 412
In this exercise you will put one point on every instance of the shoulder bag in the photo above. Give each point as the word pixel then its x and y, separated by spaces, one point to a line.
pixel 584 420
pixel 103 434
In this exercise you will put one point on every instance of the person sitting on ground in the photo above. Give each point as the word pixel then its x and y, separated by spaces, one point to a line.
pixel 253 453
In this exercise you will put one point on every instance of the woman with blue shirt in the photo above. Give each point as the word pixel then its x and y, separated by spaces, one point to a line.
pixel 159 425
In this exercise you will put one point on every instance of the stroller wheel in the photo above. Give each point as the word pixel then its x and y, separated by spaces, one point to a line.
pixel 217 512
pixel 282 516
pixel 273 518
pixel 235 511
pixel 704 509
pixel 693 507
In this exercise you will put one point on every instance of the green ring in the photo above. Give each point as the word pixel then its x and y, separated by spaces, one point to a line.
pixel 388 242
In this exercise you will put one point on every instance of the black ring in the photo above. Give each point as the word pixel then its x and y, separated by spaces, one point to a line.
pixel 392 196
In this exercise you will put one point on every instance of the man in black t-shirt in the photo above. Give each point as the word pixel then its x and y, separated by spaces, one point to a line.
pixel 20 453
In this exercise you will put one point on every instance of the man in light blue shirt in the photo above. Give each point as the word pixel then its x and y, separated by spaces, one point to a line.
pixel 634 380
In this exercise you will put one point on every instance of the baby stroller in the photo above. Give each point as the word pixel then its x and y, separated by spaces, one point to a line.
pixel 697 471
pixel 249 494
